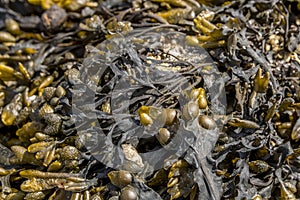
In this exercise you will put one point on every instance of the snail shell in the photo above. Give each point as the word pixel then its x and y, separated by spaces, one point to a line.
pixel 128 193
pixel 120 178
pixel 207 122
pixel 163 136
pixel 170 116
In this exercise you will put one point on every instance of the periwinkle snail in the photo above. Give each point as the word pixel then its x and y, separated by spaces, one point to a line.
pixel 128 193
pixel 170 116
pixel 207 122
pixel 163 136
pixel 120 178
